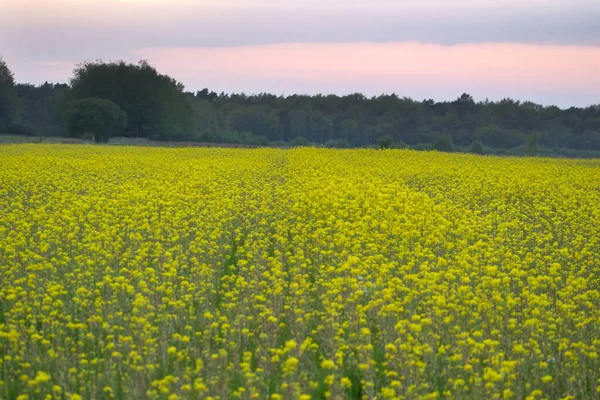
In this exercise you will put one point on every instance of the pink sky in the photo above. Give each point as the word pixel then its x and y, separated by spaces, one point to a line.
pixel 420 70
pixel 547 51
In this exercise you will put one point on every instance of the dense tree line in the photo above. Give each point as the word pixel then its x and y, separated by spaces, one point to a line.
pixel 156 106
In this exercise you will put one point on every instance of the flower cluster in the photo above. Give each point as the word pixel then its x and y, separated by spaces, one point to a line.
pixel 162 273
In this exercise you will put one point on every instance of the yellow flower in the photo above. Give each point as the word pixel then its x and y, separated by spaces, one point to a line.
pixel 345 382
pixel 291 364
pixel 269 265
pixel 291 344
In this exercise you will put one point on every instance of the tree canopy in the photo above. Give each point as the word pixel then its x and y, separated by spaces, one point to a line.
pixel 8 99
pixel 155 104
pixel 40 108
pixel 97 118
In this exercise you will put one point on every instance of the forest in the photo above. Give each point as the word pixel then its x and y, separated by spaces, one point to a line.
pixel 119 99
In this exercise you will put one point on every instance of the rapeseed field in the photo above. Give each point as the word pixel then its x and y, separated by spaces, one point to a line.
pixel 131 273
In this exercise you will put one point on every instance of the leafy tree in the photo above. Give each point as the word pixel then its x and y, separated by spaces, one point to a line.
pixel 299 141
pixel 258 120
pixel 532 145
pixel 476 147
pixel 448 124
pixel 258 141
pixel 463 136
pixel 385 142
pixel 350 131
pixel 315 125
pixel 298 124
pixel 204 94
pixel 464 104
pixel 382 129
pixel 205 117
pixel 320 126
pixel 400 145
pixel 498 137
pixel 8 98
pixel 100 119
pixel 444 143
pixel 40 108
pixel 336 144
pixel 155 104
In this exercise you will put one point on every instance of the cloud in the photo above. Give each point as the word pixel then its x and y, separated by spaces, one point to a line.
pixel 203 34
pixel 110 28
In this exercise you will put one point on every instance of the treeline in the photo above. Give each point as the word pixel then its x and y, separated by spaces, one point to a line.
pixel 134 100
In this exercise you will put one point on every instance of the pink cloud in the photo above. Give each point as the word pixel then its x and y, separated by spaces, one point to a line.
pixel 498 68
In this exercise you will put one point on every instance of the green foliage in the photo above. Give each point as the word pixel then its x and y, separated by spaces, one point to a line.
pixel 230 136
pixel 279 143
pixel 385 142
pixel 423 146
pixel 299 141
pixel 158 109
pixel 477 147
pixel 349 129
pixel 7 78
pixel 336 143
pixel 260 121
pixel 258 141
pixel 155 104
pixel 382 129
pixel 496 136
pixel 444 143
pixel 205 117
pixel 532 145
pixel 100 119
pixel 400 145
pixel 8 98
pixel 315 125
pixel 18 129
pixel 571 153
pixel 40 108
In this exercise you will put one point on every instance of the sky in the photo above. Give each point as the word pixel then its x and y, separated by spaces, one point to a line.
pixel 547 51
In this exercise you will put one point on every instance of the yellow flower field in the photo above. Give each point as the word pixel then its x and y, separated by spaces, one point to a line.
pixel 130 273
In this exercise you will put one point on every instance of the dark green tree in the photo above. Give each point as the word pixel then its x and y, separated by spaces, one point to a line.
pixel 350 131
pixel 155 104
pixel 206 118
pixel 40 108
pixel 258 120
pixel 299 141
pixel 495 136
pixel 204 94
pixel 382 129
pixel 444 143
pixel 98 119
pixel 476 147
pixel 532 145
pixel 298 124
pixel 385 142
pixel 321 127
pixel 8 98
